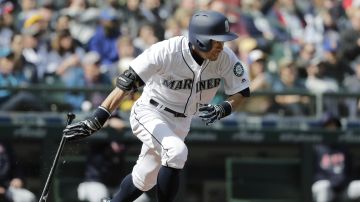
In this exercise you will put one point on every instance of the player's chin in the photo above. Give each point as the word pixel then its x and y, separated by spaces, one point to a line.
pixel 213 57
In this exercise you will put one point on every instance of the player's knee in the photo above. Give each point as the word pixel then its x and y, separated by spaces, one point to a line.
pixel 144 184
pixel 174 154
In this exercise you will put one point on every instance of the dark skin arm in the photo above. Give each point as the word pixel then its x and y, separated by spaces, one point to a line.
pixel 236 100
pixel 113 100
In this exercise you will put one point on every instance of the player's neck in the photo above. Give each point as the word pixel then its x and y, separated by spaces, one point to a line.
pixel 199 60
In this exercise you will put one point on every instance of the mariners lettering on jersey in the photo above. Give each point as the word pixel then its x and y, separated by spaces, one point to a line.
pixel 207 84
pixel 178 84
pixel 187 84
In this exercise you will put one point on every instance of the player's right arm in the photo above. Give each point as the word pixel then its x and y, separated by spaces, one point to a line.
pixel 126 83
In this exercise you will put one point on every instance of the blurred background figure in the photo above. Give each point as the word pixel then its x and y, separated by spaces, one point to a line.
pixel 13 100
pixel 288 80
pixel 11 180
pixel 104 170
pixel 333 174
pixel 105 37
pixel 352 84
pixel 261 81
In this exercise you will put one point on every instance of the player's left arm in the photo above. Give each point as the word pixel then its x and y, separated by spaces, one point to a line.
pixel 238 99
pixel 211 113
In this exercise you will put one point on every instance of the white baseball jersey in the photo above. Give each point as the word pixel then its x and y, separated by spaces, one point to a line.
pixel 174 79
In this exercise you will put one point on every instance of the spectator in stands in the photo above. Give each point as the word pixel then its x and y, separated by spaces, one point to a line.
pixel 182 16
pixel 62 23
pixel 92 76
pixel 352 84
pixel 35 51
pixel 236 19
pixel 21 66
pixel 260 80
pixel 126 51
pixel 65 55
pixel 7 27
pixel 350 38
pixel 317 82
pixel 104 40
pixel 155 14
pixel 11 179
pixel 306 54
pixel 83 19
pixel 146 37
pixel 288 24
pixel 256 22
pixel 172 28
pixel 10 100
pixel 28 8
pixel 333 180
pixel 89 75
pixel 288 80
pixel 105 163
pixel 335 67
pixel 132 18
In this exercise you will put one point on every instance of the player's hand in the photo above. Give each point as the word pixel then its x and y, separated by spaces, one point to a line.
pixel 87 127
pixel 211 113
pixel 80 130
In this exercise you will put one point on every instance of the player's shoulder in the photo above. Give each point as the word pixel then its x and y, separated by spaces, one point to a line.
pixel 228 52
pixel 174 44
pixel 229 56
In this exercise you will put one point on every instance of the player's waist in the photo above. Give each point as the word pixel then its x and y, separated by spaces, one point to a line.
pixel 163 107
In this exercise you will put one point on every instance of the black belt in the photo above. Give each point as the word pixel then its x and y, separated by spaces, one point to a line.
pixel 176 114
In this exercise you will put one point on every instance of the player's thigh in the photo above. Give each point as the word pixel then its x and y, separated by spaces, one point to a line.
pixel 150 127
pixel 159 136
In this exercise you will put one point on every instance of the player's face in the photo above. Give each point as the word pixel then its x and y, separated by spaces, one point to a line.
pixel 215 51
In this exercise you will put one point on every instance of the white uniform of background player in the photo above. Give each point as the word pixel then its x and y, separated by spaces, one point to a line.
pixel 181 76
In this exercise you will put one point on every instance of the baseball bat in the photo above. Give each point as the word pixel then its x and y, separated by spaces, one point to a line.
pixel 45 192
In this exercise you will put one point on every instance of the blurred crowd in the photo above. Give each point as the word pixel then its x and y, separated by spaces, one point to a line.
pixel 308 45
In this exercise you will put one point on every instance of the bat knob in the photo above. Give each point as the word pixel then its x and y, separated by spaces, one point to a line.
pixel 71 116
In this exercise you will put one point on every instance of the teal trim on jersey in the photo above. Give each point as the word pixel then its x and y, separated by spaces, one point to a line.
pixel 201 74
pixel 193 79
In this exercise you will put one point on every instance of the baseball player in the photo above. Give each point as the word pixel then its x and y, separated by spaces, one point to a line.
pixel 180 76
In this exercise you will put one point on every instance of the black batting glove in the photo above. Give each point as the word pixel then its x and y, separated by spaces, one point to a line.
pixel 87 127
pixel 211 113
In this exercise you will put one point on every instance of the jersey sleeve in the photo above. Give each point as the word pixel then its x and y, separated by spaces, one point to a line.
pixel 149 62
pixel 235 75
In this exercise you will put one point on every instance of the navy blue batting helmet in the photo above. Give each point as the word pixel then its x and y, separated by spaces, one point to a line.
pixel 205 26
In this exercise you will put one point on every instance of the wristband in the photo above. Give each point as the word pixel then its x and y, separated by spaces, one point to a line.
pixel 226 109
pixel 101 115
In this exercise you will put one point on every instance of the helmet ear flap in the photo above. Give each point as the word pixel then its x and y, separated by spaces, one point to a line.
pixel 203 44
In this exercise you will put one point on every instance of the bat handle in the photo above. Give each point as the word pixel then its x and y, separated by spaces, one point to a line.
pixel 70 117
pixel 45 193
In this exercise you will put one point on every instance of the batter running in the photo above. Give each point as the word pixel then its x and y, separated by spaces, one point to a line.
pixel 180 76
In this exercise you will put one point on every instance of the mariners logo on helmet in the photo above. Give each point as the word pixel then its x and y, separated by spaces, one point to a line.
pixel 227 26
pixel 238 69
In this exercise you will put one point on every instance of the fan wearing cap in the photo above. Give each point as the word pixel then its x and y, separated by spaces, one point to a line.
pixel 180 76
pixel 15 101
pixel 105 37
